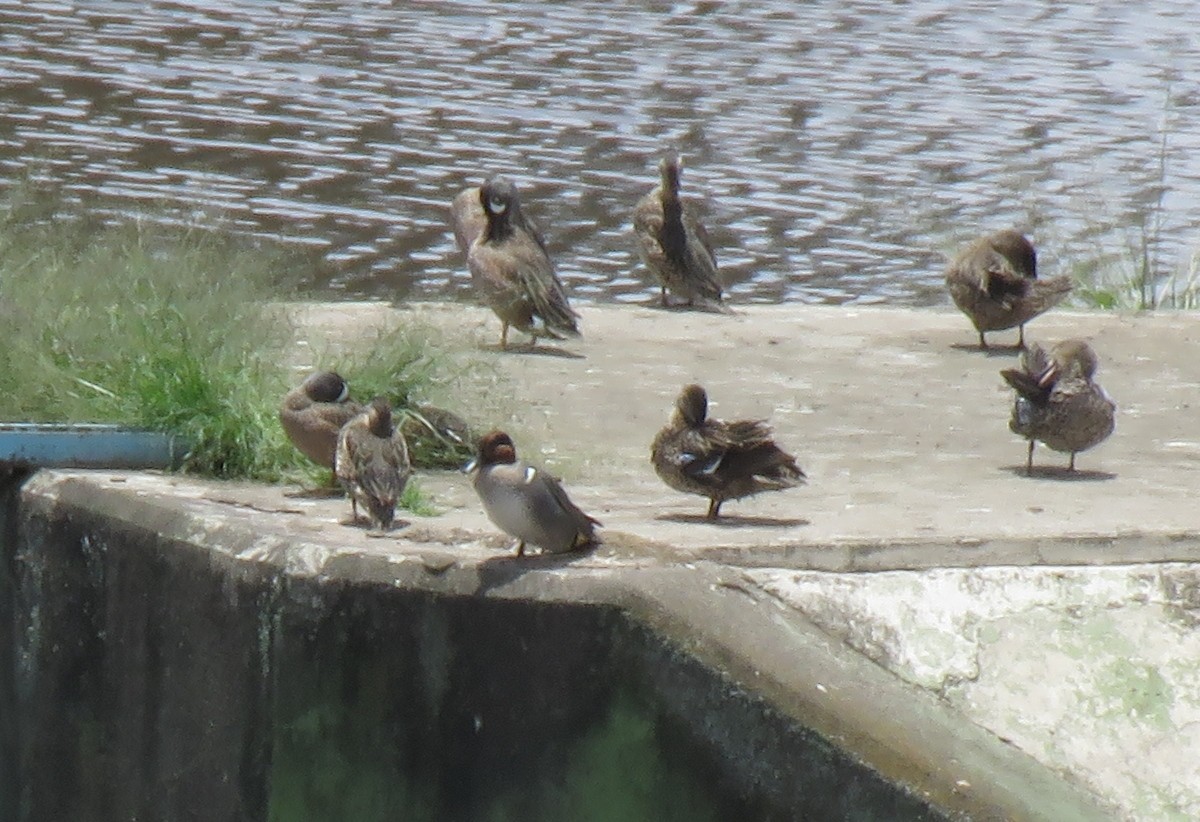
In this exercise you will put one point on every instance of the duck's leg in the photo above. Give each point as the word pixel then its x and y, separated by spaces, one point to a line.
pixel 1071 465
pixel 353 507
pixel 503 334
pixel 520 547
pixel 714 509
pixel 663 295
pixel 1029 459
pixel 982 341
pixel 1021 336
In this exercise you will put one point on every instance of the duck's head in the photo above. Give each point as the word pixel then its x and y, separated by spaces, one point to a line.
pixel 326 386
pixel 691 407
pixel 1016 248
pixel 495 447
pixel 501 203
pixel 379 417
pixel 670 168
pixel 1070 357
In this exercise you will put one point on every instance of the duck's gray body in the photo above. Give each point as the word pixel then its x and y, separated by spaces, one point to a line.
pixel 530 505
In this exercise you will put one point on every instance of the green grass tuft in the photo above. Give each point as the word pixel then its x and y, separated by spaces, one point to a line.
pixel 172 329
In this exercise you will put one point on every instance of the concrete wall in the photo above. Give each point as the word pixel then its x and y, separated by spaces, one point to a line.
pixel 145 675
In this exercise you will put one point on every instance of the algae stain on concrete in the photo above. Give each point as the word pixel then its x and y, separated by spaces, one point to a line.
pixel 334 759
pixel 617 772
pixel 1133 690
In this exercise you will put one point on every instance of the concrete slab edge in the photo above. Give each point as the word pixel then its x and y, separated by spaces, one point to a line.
pixel 708 611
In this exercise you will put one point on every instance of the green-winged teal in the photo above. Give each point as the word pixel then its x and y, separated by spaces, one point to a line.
pixel 719 460
pixel 525 502
pixel 1058 402
pixel 994 282
pixel 673 242
pixel 372 463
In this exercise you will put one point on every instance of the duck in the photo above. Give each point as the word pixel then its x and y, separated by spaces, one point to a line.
pixel 313 413
pixel 372 463
pixel 672 241
pixel 719 460
pixel 437 437
pixel 510 267
pixel 525 502
pixel 1058 402
pixel 994 282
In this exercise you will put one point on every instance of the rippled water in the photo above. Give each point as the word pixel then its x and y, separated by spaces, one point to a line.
pixel 843 147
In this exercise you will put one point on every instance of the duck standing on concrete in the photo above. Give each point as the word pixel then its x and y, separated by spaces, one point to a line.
pixel 716 459
pixel 372 463
pixel 526 502
pixel 994 282
pixel 1058 401
pixel 314 412
pixel 673 242
pixel 510 267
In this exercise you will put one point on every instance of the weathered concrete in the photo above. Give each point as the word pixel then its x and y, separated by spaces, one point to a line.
pixel 902 427
pixel 903 434
pixel 179 639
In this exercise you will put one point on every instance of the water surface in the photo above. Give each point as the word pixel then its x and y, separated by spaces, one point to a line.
pixel 843 149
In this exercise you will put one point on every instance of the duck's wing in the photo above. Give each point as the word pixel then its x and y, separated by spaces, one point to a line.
pixel 999 279
pixel 383 470
pixel 753 453
pixel 647 225
pixel 467 218
pixel 345 466
pixel 1027 380
pixel 692 221
pixel 553 487
pixel 544 290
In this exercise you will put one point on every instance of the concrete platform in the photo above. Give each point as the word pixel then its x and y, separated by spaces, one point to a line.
pixel 1048 618
pixel 1058 611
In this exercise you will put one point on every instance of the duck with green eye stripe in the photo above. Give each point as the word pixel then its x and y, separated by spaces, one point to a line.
pixel 525 502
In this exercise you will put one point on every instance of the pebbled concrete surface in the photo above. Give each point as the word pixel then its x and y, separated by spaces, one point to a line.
pixel 1054 612
pixel 1057 611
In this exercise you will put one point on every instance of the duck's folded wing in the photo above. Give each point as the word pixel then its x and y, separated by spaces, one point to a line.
pixel 547 294
pixel 556 490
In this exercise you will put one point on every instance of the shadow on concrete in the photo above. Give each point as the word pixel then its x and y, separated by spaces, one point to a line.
pixel 991 351
pixel 533 350
pixel 322 492
pixel 735 521
pixel 498 571
pixel 1060 473
pixel 700 308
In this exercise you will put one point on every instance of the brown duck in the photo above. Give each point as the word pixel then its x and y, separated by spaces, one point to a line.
pixel 673 242
pixel 719 460
pixel 510 268
pixel 994 282
pixel 314 412
pixel 372 463
pixel 1058 402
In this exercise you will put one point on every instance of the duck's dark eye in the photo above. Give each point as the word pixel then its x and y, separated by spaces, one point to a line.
pixel 496 206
